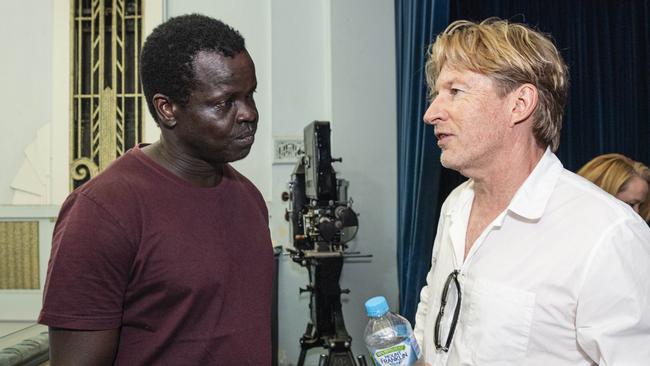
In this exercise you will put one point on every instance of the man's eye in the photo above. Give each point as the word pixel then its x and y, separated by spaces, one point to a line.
pixel 454 91
pixel 223 105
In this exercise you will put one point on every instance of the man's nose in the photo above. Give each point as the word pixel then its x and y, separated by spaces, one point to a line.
pixel 433 113
pixel 247 112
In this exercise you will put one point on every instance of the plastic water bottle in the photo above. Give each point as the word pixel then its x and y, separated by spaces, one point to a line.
pixel 389 336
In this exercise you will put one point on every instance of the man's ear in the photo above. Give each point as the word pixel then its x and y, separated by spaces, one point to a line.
pixel 525 101
pixel 165 111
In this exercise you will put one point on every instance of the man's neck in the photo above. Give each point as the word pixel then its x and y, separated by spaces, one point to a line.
pixel 191 169
pixel 495 187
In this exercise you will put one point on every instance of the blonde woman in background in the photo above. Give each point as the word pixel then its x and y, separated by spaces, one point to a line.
pixel 623 178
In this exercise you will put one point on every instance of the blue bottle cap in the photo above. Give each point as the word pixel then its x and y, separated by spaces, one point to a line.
pixel 376 306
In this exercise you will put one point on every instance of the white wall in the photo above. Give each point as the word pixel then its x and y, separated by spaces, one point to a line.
pixel 25 82
pixel 301 94
pixel 364 132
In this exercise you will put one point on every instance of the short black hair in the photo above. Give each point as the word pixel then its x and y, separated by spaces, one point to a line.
pixel 166 61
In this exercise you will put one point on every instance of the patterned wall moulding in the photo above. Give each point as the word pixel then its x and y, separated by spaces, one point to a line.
pixel 107 103
pixel 19 261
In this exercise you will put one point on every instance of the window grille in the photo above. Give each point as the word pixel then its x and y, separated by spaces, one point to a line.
pixel 107 102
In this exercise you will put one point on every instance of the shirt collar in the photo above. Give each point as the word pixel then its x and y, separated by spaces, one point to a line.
pixel 533 195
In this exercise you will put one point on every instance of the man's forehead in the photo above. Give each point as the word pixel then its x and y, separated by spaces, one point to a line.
pixel 450 75
pixel 218 67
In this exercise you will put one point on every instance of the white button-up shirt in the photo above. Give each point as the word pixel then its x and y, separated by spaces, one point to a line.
pixel 561 277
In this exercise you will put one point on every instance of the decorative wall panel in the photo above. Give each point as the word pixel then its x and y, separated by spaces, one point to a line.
pixel 107 101
pixel 19 266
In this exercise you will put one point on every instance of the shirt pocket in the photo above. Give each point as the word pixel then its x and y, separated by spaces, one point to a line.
pixel 498 323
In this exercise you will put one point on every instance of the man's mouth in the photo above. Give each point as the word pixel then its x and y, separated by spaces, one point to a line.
pixel 442 135
pixel 443 138
pixel 246 138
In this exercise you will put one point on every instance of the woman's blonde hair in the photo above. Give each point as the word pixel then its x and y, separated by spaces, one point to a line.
pixel 511 54
pixel 612 173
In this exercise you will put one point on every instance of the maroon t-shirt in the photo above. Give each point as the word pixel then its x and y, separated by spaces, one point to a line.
pixel 185 272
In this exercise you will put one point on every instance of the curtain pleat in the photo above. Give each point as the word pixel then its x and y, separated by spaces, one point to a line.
pixel 417 23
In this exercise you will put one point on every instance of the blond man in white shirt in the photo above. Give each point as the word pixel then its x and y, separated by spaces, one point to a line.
pixel 532 264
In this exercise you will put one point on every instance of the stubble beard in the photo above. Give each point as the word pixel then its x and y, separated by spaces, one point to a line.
pixel 458 163
pixel 447 161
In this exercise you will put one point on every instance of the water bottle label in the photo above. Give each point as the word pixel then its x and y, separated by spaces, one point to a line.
pixel 402 354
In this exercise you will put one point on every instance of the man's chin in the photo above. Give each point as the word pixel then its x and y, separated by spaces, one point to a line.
pixel 447 161
pixel 241 155
pixel 450 162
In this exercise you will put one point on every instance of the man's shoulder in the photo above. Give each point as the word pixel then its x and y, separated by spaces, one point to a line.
pixel 117 182
pixel 238 177
pixel 244 183
pixel 589 201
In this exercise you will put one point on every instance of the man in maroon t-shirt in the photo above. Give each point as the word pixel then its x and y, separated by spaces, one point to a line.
pixel 165 257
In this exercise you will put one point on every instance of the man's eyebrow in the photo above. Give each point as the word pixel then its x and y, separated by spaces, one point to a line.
pixel 455 81
pixel 445 84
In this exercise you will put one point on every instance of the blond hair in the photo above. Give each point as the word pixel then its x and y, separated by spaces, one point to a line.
pixel 511 54
pixel 612 173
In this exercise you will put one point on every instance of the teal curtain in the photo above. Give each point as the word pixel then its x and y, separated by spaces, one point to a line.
pixel 606 45
pixel 419 170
